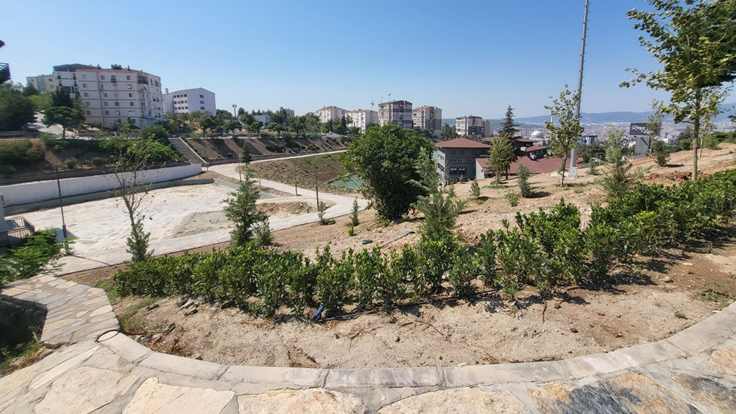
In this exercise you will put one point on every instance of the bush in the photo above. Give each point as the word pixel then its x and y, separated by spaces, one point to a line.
pixel 524 173
pixel 70 163
pixel 440 210
pixel 474 190
pixel 20 152
pixel 30 257
pixel 7 171
pixel 98 161
pixel 263 234
pixel 661 152
pixel 513 198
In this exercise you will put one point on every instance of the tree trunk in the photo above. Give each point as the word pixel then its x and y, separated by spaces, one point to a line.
pixel 696 139
pixel 63 133
pixel 562 176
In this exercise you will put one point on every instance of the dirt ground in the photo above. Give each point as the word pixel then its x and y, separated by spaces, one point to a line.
pixel 668 292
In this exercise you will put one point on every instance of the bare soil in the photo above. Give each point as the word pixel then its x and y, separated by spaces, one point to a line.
pixel 665 293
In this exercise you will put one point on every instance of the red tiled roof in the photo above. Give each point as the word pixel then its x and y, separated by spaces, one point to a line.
pixel 535 148
pixel 538 166
pixel 461 143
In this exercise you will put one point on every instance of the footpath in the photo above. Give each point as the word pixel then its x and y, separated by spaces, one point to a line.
pixel 97 369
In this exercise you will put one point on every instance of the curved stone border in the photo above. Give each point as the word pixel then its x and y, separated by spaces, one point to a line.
pixel 78 314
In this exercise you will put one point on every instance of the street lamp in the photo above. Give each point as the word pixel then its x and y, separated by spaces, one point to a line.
pixel 61 207
pixel 235 112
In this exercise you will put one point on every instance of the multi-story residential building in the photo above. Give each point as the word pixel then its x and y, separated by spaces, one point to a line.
pixel 190 100
pixel 361 118
pixel 395 112
pixel 472 126
pixel 115 95
pixel 43 83
pixel 456 159
pixel 289 112
pixel 429 118
pixel 328 113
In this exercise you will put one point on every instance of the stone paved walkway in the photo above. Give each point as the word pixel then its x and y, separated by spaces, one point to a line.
pixel 694 371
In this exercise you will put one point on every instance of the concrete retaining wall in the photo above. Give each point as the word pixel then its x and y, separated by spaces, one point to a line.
pixel 46 190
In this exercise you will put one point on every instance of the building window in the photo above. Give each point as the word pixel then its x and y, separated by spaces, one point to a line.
pixel 84 85
pixel 201 102
pixel 463 160
pixel 201 96
pixel 104 103
pixel 89 113
pixel 104 94
pixel 84 76
pixel 102 77
pixel 117 103
pixel 185 95
pixel 130 86
pixel 201 107
pixel 86 103
pixel 132 104
pixel 453 160
pixel 130 95
pixel 86 95
pixel 115 95
pixel 127 77
pixel 107 112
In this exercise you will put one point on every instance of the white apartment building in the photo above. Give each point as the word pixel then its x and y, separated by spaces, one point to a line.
pixel 361 118
pixel 472 126
pixel 43 83
pixel 328 113
pixel 429 118
pixel 189 100
pixel 395 112
pixel 289 112
pixel 114 95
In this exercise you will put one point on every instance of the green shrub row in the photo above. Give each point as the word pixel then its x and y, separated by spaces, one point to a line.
pixel 545 249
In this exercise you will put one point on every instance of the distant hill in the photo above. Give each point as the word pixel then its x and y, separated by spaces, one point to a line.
pixel 596 118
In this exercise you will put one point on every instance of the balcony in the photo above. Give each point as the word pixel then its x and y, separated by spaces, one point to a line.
pixel 4 72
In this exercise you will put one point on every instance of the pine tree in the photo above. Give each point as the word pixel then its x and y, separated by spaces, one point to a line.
pixel 500 157
pixel 241 209
pixel 509 128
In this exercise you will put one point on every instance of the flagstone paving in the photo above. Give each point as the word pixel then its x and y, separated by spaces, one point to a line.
pixel 97 369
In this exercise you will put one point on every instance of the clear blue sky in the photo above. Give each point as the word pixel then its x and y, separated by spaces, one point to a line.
pixel 466 57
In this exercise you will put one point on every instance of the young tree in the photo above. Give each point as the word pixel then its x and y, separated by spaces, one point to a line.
pixel 241 210
pixel 354 221
pixel 564 134
pixel 207 123
pixel 64 116
pixel 131 168
pixel 475 190
pixel 661 152
pixel 509 128
pixel 245 155
pixel 61 97
pixel 440 213
pixel 30 90
pixel 426 168
pixel 500 157
pixel 524 173
pixel 654 121
pixel 695 42
pixel 16 110
pixel 156 133
pixel 384 159
pixel 231 126
pixel 448 132
pixel 616 180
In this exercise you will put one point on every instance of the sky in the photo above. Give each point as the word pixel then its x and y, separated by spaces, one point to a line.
pixel 466 57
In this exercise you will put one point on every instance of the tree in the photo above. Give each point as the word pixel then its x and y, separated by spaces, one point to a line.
pixel 509 127
pixel 440 211
pixel 131 170
pixel 500 157
pixel 64 116
pixel 616 180
pixel 245 155
pixel 384 159
pixel 42 101
pixel 654 121
pixel 524 173
pixel 207 123
pixel 241 210
pixel 30 90
pixel 16 110
pixel 661 152
pixel 696 44
pixel 232 126
pixel 155 133
pixel 565 133
pixel 61 97
pixel 448 132
pixel 426 168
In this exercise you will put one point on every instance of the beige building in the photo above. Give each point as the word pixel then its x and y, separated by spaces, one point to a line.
pixel 114 95
pixel 395 112
pixel 361 118
pixel 328 113
pixel 43 83
pixel 472 126
pixel 429 118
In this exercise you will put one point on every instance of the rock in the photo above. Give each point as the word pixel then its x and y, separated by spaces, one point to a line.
pixel 182 301
pixel 157 337
pixel 667 279
pixel 189 303
pixel 400 360
pixel 153 397
pixel 573 330
pixel 196 356
pixel 397 339
pixel 301 401
pixel 687 264
pixel 465 400
pixel 152 306
pixel 226 304
pixel 190 312
pixel 170 328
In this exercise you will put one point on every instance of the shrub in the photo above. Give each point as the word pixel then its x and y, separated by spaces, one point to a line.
pixel 513 198
pixel 20 152
pixel 354 214
pixel 440 210
pixel 435 258
pixel 98 161
pixel 485 258
pixel 7 171
pixel 462 273
pixel 30 257
pixel 617 180
pixel 524 173
pixel 263 234
pixel 474 190
pixel 334 279
pixel 661 152
pixel 70 163
pixel 351 230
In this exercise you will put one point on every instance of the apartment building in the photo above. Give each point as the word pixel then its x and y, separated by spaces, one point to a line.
pixel 189 100
pixel 328 113
pixel 42 83
pixel 456 159
pixel 289 112
pixel 472 126
pixel 112 96
pixel 429 118
pixel 395 112
pixel 361 118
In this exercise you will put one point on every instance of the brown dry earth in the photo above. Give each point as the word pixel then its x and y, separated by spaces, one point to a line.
pixel 666 293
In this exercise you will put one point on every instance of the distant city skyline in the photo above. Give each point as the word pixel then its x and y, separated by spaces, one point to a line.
pixel 465 57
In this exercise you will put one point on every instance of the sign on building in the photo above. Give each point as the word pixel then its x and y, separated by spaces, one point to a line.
pixel 643 139
pixel 639 129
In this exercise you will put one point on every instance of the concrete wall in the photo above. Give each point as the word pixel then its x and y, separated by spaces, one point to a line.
pixel 46 190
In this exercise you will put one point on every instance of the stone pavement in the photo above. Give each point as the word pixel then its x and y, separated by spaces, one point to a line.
pixel 693 371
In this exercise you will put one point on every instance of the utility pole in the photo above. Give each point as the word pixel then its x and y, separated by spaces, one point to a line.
pixel 61 207
pixel 235 112
pixel 573 155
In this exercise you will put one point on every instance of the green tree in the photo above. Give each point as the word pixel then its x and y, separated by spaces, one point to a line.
pixel 524 173
pixel 616 179
pixel 255 126
pixel 654 121
pixel 241 210
pixel 155 133
pixel 384 159
pixel 61 97
pixel 475 190
pixel 566 132
pixel 42 101
pixel 207 123
pixel 661 152
pixel 440 211
pixel 500 157
pixel 232 126
pixel 63 115
pixel 30 90
pixel 448 132
pixel 509 127
pixel 694 41
pixel 16 110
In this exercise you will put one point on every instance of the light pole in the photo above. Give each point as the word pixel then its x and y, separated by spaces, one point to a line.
pixel 235 112
pixel 61 207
